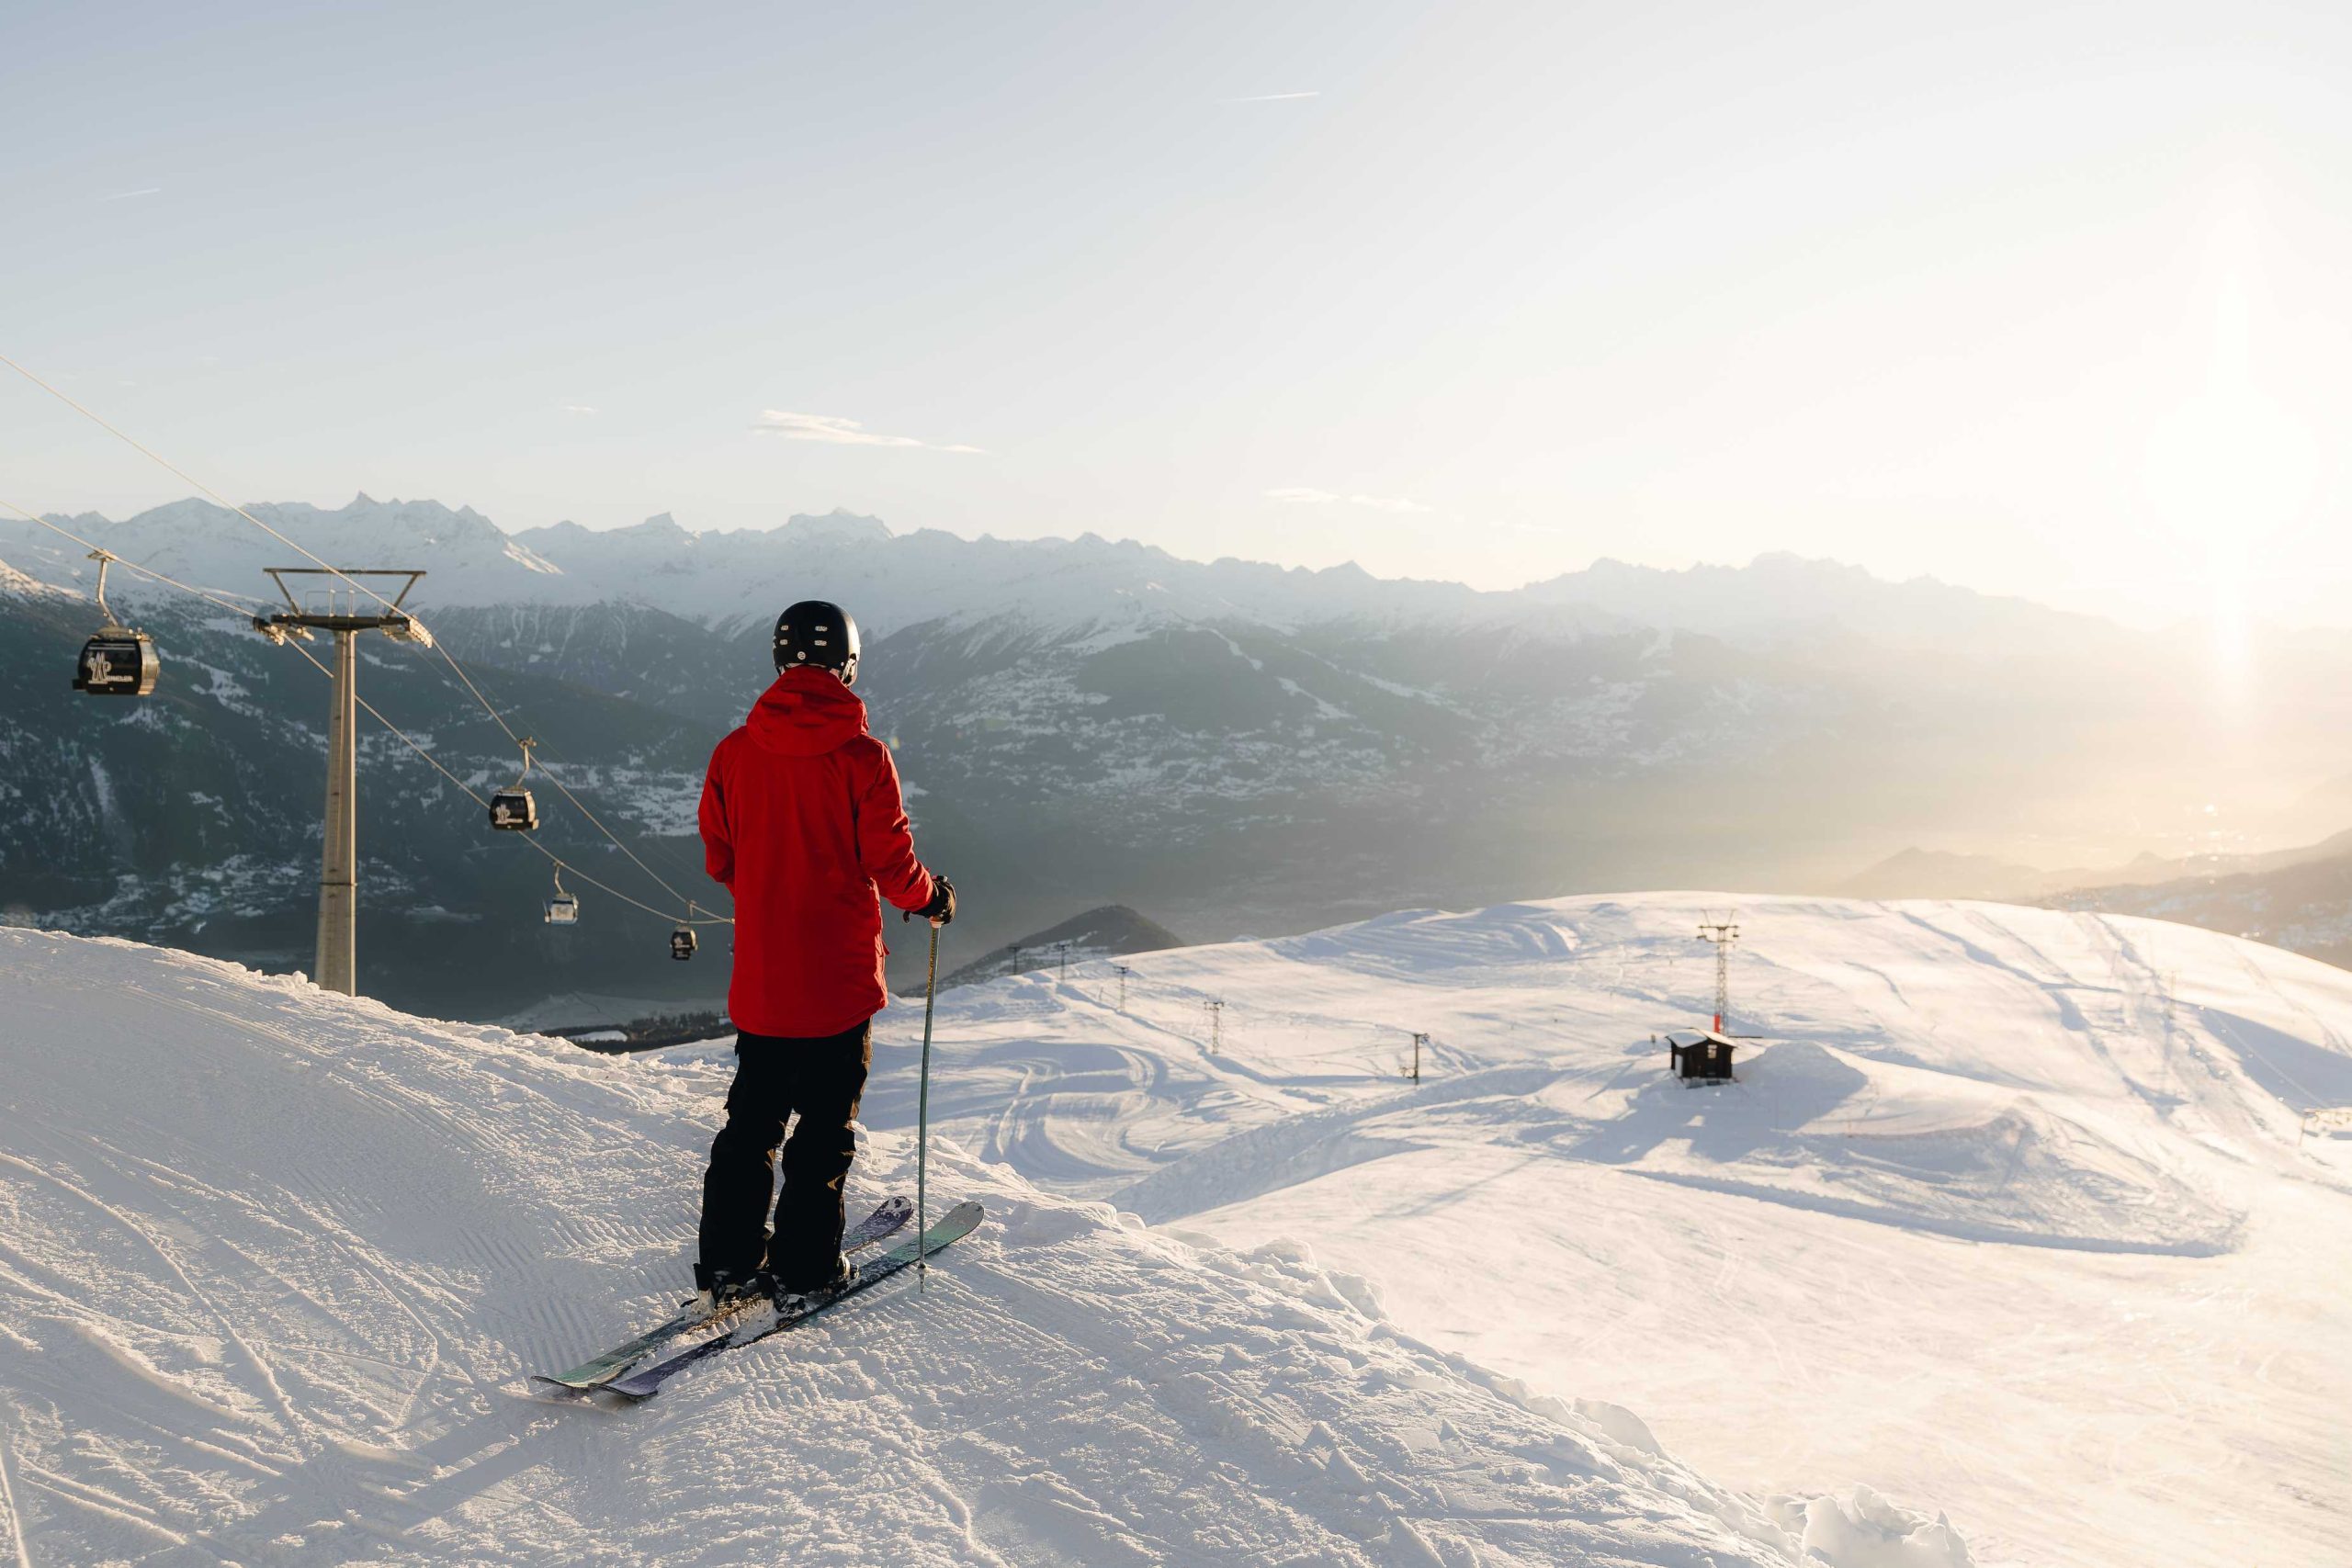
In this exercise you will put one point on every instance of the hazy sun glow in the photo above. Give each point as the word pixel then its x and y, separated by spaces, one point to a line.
pixel 2230 468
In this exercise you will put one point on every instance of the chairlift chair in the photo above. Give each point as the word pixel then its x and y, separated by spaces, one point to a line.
pixel 119 662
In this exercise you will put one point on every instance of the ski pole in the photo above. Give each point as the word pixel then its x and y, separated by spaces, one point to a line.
pixel 922 1119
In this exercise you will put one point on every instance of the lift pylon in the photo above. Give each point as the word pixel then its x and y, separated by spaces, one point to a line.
pixel 337 968
pixel 1724 934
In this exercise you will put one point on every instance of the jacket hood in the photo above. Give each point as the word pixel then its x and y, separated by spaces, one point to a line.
pixel 807 713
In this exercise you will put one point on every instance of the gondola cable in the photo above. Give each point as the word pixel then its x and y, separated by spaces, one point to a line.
pixel 456 669
pixel 532 756
pixel 242 611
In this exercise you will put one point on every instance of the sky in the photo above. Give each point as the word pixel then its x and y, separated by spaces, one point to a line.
pixel 2043 299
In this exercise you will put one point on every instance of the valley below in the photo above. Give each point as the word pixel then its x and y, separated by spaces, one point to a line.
pixel 1228 748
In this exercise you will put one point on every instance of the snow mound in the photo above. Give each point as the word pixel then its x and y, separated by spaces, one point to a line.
pixel 1862 1529
pixel 1998 1195
pixel 273 1262
pixel 1906 1148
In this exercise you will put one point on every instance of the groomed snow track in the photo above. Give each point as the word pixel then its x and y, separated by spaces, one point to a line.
pixel 2014 1211
pixel 274 1264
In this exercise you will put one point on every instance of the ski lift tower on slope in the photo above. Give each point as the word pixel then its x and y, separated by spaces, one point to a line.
pixel 1707 1059
pixel 338 963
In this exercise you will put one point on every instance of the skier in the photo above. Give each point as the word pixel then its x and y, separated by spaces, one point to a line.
pixel 803 822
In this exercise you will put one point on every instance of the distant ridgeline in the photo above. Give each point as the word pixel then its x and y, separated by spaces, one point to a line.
pixel 1235 747
pixel 646 1034
pixel 2298 898
pixel 2303 904
pixel 1112 932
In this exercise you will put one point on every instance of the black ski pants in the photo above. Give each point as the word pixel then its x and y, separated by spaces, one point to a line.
pixel 820 1081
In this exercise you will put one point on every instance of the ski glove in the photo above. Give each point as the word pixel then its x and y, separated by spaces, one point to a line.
pixel 942 907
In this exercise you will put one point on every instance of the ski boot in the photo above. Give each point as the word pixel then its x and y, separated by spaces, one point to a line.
pixel 844 1275
pixel 724 1290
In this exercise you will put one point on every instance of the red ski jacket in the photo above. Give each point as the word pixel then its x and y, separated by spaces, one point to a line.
pixel 803 822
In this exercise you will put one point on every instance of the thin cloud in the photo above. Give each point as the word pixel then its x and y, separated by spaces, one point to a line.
pixel 581 409
pixel 835 430
pixel 126 194
pixel 1301 495
pixel 1270 98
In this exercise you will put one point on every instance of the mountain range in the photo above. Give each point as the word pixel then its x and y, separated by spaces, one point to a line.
pixel 2297 900
pixel 1228 746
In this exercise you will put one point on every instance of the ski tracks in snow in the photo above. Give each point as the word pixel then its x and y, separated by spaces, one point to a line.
pixel 273 1266
pixel 272 1263
pixel 2017 1094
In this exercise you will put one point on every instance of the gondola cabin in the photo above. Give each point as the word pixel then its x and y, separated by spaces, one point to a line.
pixel 1706 1059
pixel 513 811
pixel 118 663
pixel 683 943
pixel 563 909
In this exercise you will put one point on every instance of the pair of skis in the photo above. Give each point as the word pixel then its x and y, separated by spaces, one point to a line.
pixel 610 1371
pixel 886 1218
pixel 756 1320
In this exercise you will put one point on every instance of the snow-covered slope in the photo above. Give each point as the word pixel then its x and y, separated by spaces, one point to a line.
pixel 2012 1210
pixel 19 584
pixel 272 1262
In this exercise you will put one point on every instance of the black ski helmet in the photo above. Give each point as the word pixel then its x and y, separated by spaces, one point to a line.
pixel 820 633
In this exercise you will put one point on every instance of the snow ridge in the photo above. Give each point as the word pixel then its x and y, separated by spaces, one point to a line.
pixel 270 1278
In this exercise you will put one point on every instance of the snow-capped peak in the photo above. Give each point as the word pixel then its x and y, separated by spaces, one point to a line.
pixel 16 582
pixel 839 524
